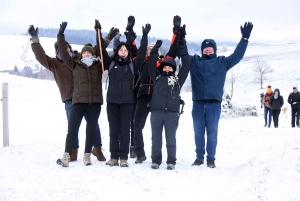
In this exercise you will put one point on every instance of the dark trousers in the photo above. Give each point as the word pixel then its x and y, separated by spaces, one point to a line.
pixel 119 117
pixel 276 114
pixel 97 135
pixel 92 112
pixel 266 111
pixel 295 113
pixel 141 113
pixel 168 120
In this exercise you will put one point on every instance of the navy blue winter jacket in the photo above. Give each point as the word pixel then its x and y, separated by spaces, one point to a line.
pixel 208 76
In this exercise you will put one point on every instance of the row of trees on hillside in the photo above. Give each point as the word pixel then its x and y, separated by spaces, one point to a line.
pixel 27 71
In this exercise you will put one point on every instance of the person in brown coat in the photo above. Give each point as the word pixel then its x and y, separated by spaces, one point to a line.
pixel 64 79
pixel 87 93
pixel 267 107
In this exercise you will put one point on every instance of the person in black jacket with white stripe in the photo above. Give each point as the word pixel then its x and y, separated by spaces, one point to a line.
pixel 165 102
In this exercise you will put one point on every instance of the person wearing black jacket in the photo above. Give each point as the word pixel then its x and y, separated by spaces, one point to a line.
pixel 276 103
pixel 145 91
pixel 120 98
pixel 294 101
pixel 165 102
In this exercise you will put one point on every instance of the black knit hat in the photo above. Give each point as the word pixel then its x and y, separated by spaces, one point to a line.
pixel 167 62
pixel 209 43
pixel 88 47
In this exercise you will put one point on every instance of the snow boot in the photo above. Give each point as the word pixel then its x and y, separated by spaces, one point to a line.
pixel 73 156
pixel 154 166
pixel 132 152
pixel 211 164
pixel 112 162
pixel 197 163
pixel 87 159
pixel 124 163
pixel 64 161
pixel 171 166
pixel 97 151
pixel 140 159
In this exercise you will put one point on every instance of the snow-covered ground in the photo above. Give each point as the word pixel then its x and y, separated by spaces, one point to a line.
pixel 253 162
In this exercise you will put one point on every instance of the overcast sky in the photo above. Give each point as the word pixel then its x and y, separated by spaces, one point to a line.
pixel 274 20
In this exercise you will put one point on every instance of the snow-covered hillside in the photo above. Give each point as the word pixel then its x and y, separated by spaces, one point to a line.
pixel 253 162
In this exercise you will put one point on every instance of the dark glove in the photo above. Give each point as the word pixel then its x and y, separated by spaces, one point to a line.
pixel 97 25
pixel 181 44
pixel 130 23
pixel 33 32
pixel 131 36
pixel 62 28
pixel 182 32
pixel 176 23
pixel 117 37
pixel 158 44
pixel 146 29
pixel 112 33
pixel 246 30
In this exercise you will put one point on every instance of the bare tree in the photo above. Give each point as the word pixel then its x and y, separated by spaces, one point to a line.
pixel 232 77
pixel 261 70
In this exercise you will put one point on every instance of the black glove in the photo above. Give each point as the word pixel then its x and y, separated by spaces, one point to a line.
pixel 131 36
pixel 158 44
pixel 33 32
pixel 97 25
pixel 112 33
pixel 182 32
pixel 181 44
pixel 246 30
pixel 146 29
pixel 130 23
pixel 176 23
pixel 62 28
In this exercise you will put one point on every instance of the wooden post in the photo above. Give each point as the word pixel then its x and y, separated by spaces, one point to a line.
pixel 5 114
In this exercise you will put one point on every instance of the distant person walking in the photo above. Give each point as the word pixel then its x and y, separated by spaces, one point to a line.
pixel 267 107
pixel 276 103
pixel 294 100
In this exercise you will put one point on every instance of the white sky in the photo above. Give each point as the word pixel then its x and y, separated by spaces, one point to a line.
pixel 274 20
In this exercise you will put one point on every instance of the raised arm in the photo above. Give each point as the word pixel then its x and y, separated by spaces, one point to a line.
pixel 240 49
pixel 39 51
pixel 61 42
pixel 173 51
pixel 153 59
pixel 185 60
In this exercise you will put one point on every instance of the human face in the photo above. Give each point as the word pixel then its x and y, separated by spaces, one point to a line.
pixel 276 92
pixel 149 51
pixel 295 90
pixel 68 49
pixel 208 50
pixel 86 54
pixel 123 52
pixel 168 69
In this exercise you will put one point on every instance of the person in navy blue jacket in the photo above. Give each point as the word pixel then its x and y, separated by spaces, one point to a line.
pixel 208 75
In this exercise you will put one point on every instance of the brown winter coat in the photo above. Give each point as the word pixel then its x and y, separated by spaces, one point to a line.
pixel 62 74
pixel 266 99
pixel 87 80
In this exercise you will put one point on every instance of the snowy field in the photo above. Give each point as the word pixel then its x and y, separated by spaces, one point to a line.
pixel 253 162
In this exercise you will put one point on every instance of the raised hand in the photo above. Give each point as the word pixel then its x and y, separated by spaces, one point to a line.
pixel 181 43
pixel 131 36
pixel 246 30
pixel 62 28
pixel 176 23
pixel 146 29
pixel 112 33
pixel 97 25
pixel 130 23
pixel 158 44
pixel 33 32
pixel 182 32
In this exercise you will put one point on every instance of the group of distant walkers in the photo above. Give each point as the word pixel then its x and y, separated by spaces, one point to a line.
pixel 141 81
pixel 272 102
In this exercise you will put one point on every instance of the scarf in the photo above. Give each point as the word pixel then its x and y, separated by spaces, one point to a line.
pixel 275 96
pixel 122 60
pixel 89 60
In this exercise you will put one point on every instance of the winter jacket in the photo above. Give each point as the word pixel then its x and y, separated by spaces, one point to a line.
pixel 146 83
pixel 276 104
pixel 294 100
pixel 121 77
pixel 266 99
pixel 87 80
pixel 166 92
pixel 62 74
pixel 208 75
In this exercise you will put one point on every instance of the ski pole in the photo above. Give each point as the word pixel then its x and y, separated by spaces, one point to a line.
pixel 100 46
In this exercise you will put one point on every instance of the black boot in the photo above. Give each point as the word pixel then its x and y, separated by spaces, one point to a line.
pixel 197 163
pixel 211 164
pixel 132 152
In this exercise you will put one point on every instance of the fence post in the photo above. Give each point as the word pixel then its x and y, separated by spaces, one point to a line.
pixel 5 114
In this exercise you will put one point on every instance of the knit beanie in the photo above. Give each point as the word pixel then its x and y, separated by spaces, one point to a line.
pixel 209 43
pixel 88 47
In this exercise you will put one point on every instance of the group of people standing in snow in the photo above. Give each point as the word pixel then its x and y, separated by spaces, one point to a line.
pixel 273 103
pixel 141 80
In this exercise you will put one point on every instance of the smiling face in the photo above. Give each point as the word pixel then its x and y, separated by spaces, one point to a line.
pixel 123 51
pixel 86 54
pixel 208 50
pixel 168 69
